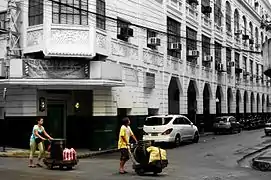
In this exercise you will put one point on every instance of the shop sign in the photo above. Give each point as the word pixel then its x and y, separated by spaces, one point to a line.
pixel 56 69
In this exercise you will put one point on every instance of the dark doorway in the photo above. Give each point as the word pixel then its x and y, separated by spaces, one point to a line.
pixel 229 99
pixel 238 99
pixel 122 113
pixel 54 123
pixel 173 97
pixel 245 103
pixel 252 101
pixel 192 101
pixel 206 106
pixel 218 100
pixel 258 103
pixel 263 104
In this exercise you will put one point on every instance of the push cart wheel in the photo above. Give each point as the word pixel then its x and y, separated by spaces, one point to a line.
pixel 69 167
pixel 50 166
pixel 61 167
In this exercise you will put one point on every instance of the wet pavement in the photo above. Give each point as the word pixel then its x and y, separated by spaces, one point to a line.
pixel 213 158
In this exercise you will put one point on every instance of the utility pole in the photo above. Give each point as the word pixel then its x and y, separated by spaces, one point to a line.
pixel 12 49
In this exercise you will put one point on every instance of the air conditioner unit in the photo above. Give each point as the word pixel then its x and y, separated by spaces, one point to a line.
pixel 208 58
pixel 220 67
pixel 125 32
pixel 238 32
pixel 193 53
pixel 175 46
pixel 154 41
pixel 230 64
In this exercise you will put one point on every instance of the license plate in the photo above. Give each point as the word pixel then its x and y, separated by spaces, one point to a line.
pixel 154 134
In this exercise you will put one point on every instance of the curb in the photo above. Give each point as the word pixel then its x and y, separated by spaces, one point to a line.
pixel 206 134
pixel 79 156
pixel 254 152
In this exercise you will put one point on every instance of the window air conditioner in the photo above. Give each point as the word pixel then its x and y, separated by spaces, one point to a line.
pixel 208 58
pixel 175 46
pixel 193 53
pixel 154 41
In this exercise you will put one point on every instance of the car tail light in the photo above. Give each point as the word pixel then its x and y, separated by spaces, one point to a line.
pixel 144 133
pixel 167 132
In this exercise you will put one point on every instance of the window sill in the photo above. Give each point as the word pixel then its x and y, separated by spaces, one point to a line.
pixel 70 26
pixel 101 31
pixel 35 27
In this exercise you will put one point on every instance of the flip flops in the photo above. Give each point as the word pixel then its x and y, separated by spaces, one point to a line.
pixel 31 166
pixel 123 172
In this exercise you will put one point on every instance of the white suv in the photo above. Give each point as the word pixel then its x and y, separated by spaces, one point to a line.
pixel 170 129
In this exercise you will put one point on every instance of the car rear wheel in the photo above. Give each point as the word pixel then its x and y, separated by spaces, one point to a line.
pixel 177 140
pixel 196 137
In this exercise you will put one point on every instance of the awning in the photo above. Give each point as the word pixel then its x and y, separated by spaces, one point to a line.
pixel 60 83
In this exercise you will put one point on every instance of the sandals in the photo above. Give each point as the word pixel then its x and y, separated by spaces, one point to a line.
pixel 123 172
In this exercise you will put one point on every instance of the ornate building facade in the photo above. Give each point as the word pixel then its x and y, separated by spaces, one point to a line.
pixel 85 64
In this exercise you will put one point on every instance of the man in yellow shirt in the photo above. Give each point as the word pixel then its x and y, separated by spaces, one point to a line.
pixel 124 139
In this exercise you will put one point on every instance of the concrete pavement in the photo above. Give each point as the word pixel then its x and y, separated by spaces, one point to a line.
pixel 213 158
pixel 81 153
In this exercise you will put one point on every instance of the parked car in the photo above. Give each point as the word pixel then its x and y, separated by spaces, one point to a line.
pixel 267 128
pixel 226 124
pixel 170 129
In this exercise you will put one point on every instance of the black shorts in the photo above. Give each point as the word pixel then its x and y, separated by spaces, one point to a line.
pixel 124 154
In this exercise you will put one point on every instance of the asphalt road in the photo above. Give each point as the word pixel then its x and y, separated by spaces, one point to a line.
pixel 213 158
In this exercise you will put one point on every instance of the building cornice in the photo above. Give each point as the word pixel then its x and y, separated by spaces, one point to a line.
pixel 250 9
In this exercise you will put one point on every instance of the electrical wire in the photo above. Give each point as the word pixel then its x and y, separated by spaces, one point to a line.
pixel 136 25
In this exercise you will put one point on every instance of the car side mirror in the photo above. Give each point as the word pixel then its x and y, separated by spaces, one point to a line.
pixel 191 124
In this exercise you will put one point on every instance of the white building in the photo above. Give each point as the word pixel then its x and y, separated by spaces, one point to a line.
pixel 197 58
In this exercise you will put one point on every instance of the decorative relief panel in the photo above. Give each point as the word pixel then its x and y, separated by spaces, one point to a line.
pixel 34 37
pixel 124 50
pixel 64 36
pixel 206 72
pixel 192 69
pixel 174 63
pixel 220 78
pixel 154 58
pixel 130 77
pixel 101 40
pixel 71 42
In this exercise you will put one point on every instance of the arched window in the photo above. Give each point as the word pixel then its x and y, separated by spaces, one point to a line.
pixel 251 30
pixel 256 38
pixel 228 16
pixel 236 23
pixel 217 12
pixel 245 25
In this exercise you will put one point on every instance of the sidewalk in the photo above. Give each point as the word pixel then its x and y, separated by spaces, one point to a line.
pixel 24 153
pixel 81 153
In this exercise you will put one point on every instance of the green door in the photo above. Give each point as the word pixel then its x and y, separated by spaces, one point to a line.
pixel 55 120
